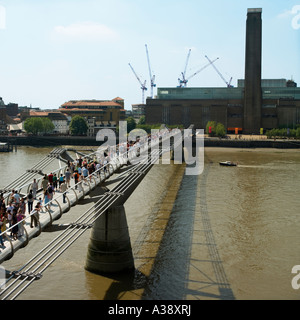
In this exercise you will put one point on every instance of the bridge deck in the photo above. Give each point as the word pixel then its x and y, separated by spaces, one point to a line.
pixel 117 196
pixel 73 195
pixel 46 217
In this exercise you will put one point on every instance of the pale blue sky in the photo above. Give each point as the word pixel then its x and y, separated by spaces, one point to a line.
pixel 53 51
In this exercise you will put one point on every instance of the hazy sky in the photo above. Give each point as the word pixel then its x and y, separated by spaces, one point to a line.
pixel 53 51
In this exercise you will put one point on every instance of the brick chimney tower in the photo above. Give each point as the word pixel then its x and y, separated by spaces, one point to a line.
pixel 253 94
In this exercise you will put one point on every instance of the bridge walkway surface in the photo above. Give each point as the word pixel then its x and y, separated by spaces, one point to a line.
pixel 129 179
pixel 58 206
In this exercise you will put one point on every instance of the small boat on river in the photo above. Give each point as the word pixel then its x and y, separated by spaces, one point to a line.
pixel 228 163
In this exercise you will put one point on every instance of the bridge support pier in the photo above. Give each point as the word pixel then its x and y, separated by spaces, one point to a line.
pixel 109 250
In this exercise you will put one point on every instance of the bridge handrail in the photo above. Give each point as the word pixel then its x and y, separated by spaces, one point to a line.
pixel 70 188
pixel 66 238
pixel 128 153
pixel 52 200
pixel 82 227
pixel 34 168
pixel 19 188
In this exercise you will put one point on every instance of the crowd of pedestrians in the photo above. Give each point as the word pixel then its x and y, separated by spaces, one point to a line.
pixel 13 212
pixel 14 209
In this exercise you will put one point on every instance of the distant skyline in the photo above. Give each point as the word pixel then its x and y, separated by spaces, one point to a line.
pixel 60 50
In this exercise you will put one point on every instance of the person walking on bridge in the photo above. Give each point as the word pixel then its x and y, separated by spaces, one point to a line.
pixel 1 224
pixel 51 191
pixel 22 205
pixel 9 217
pixel 34 188
pixel 17 197
pixel 12 196
pixel 50 178
pixel 45 183
pixel 34 216
pixel 68 177
pixel 61 180
pixel 76 178
pixel 63 189
pixel 91 169
pixel 46 199
pixel 15 227
pixel 30 200
pixel 20 217
pixel 85 172
pixel 55 182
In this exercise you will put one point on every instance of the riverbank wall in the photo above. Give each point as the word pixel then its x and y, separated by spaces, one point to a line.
pixel 53 141
pixel 237 143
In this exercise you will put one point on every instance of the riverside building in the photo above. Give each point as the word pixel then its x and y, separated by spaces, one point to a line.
pixel 99 114
pixel 253 105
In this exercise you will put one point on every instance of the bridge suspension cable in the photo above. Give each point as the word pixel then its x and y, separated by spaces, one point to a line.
pixel 20 280
pixel 19 183
pixel 44 258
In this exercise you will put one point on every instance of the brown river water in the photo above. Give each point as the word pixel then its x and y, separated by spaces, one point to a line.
pixel 229 233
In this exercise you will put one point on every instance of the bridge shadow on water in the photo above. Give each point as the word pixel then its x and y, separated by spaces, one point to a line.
pixel 186 264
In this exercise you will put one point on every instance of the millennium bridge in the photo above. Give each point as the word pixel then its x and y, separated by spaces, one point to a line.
pixel 109 250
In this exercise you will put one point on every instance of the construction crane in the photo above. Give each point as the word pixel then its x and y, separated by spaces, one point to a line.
pixel 183 81
pixel 228 84
pixel 211 62
pixel 143 85
pixel 152 78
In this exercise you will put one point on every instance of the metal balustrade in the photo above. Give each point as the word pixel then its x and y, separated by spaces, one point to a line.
pixel 118 195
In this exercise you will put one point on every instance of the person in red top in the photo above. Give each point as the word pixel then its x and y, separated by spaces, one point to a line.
pixel 50 177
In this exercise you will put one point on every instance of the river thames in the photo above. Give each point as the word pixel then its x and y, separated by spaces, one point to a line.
pixel 229 233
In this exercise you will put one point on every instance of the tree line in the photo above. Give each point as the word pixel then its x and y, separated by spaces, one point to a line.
pixel 284 133
pixel 42 125
pixel 78 126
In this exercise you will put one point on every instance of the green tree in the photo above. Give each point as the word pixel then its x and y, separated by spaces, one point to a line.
pixel 212 125
pixel 283 133
pixel 271 133
pixel 220 130
pixel 48 125
pixel 38 125
pixel 142 120
pixel 78 126
pixel 131 124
